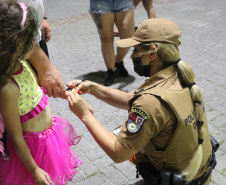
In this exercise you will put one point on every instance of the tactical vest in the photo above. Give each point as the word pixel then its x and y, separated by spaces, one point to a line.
pixel 184 141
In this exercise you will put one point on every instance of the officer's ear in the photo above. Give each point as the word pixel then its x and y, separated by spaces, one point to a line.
pixel 153 52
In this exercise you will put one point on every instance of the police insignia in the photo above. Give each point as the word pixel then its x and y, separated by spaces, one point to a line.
pixel 136 120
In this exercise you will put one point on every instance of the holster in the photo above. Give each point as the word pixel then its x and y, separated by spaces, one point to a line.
pixel 149 174
pixel 171 178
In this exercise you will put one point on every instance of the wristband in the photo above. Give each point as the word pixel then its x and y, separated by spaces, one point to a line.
pixel 45 18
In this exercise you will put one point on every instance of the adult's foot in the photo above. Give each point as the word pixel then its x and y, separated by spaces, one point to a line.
pixel 109 78
pixel 121 68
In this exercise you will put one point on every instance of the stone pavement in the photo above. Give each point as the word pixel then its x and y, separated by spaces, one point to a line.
pixel 75 51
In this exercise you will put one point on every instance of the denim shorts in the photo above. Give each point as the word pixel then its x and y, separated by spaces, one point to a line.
pixel 107 6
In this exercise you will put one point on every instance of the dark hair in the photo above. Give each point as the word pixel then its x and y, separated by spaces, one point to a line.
pixel 12 32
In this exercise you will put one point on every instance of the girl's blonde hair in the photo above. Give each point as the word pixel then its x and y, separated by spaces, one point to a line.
pixel 168 54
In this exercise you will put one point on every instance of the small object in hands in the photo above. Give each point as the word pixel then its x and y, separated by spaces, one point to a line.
pixel 76 84
pixel 76 90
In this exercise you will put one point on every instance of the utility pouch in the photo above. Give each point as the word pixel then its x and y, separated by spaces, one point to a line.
pixel 171 178
pixel 149 174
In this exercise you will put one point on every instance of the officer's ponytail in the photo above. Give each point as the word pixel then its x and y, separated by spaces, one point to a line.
pixel 169 54
pixel 187 77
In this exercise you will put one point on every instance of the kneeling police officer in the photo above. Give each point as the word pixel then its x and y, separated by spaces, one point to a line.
pixel 166 130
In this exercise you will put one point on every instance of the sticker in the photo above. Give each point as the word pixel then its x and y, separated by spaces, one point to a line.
pixel 136 120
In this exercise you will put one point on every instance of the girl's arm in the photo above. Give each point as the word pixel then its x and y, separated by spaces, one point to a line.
pixel 9 94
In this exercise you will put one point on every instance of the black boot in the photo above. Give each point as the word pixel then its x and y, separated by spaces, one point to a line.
pixel 121 68
pixel 110 76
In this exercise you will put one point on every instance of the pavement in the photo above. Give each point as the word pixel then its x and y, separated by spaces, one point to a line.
pixel 75 51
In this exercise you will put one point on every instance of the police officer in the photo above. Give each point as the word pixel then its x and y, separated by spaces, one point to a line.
pixel 166 122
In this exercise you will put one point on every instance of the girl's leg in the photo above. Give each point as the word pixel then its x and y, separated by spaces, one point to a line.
pixel 125 24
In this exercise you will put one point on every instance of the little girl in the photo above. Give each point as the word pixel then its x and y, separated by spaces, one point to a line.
pixel 38 144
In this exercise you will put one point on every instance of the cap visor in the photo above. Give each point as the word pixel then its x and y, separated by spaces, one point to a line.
pixel 126 43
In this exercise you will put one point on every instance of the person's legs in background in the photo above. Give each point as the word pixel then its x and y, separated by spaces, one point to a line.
pixel 104 23
pixel 105 14
pixel 136 2
pixel 125 23
pixel 148 5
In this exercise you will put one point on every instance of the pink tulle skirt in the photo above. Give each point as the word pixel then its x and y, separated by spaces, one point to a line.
pixel 50 150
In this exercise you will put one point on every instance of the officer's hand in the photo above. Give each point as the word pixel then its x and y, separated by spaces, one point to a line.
pixel 83 87
pixel 78 106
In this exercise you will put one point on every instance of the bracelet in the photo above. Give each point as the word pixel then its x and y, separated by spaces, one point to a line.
pixel 45 18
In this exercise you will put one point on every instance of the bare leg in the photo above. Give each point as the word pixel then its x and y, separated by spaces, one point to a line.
pixel 136 2
pixel 125 24
pixel 148 5
pixel 104 23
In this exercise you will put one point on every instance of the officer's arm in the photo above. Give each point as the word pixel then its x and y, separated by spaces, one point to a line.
pixel 107 141
pixel 114 97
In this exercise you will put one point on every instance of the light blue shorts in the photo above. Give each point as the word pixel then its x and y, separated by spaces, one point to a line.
pixel 107 6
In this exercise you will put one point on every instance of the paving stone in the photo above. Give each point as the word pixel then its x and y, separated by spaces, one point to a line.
pixel 115 176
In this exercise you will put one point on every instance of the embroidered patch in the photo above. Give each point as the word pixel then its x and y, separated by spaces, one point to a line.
pixel 136 120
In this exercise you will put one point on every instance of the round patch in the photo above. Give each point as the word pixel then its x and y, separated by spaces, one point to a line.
pixel 132 127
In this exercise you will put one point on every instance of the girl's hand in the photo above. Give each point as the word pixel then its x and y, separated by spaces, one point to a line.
pixel 78 106
pixel 41 177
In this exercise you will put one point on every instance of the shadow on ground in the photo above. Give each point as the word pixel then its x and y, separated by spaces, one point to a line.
pixel 98 77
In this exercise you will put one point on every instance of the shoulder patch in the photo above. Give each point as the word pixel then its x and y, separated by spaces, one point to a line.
pixel 136 119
